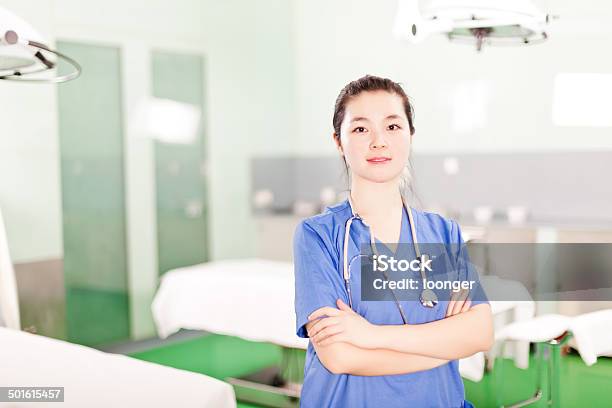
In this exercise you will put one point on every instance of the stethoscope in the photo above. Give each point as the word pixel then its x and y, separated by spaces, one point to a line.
pixel 428 297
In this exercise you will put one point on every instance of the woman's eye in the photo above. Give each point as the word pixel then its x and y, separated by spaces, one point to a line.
pixel 359 129
pixel 394 127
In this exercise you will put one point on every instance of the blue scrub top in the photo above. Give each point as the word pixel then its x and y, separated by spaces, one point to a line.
pixel 318 250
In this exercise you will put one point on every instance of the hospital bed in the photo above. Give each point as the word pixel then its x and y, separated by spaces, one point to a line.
pixel 251 299
pixel 93 378
pixel 254 299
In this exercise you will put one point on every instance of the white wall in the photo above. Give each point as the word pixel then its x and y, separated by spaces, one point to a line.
pixel 341 40
pixel 29 165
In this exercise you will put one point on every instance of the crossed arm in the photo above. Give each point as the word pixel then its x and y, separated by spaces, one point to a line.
pixel 346 343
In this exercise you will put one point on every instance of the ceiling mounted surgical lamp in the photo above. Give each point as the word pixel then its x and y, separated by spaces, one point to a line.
pixel 23 53
pixel 479 22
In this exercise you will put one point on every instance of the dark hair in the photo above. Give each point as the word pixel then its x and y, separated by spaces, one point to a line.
pixel 365 84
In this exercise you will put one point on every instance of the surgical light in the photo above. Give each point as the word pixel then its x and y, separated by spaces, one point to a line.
pixel 479 22
pixel 23 52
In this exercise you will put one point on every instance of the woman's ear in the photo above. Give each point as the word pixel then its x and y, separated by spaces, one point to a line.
pixel 338 144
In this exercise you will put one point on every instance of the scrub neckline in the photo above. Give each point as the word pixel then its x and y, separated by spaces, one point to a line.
pixel 402 237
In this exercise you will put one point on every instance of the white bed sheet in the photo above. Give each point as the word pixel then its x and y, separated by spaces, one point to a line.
pixel 92 378
pixel 249 298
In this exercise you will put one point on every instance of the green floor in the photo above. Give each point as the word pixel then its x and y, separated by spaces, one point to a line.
pixel 223 356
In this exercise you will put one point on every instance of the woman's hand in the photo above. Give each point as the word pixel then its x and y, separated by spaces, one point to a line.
pixel 341 325
pixel 458 303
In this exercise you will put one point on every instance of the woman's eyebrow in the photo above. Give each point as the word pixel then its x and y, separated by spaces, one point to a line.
pixel 358 118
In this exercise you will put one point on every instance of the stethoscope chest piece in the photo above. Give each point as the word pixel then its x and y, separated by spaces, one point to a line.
pixel 428 298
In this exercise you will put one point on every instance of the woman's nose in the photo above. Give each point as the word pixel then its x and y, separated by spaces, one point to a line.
pixel 378 140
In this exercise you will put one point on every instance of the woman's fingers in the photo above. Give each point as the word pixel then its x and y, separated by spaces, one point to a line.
pixel 324 311
pixel 327 332
pixel 466 306
pixel 463 298
pixel 449 308
pixel 451 304
pixel 311 324
pixel 343 306
pixel 332 339
pixel 457 303
pixel 321 324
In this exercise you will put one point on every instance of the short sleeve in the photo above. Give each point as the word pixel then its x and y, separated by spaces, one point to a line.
pixel 317 280
pixel 467 271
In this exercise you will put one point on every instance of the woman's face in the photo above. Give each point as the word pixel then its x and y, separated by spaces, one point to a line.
pixel 375 137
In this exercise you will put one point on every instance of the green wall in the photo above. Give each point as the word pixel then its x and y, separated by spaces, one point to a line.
pixel 180 170
pixel 93 202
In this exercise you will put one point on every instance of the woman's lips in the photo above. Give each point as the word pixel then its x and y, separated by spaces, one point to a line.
pixel 379 160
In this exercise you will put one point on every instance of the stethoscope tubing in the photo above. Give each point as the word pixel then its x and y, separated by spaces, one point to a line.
pixel 346 264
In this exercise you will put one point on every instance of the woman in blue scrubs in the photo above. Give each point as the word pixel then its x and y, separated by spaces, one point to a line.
pixel 367 356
